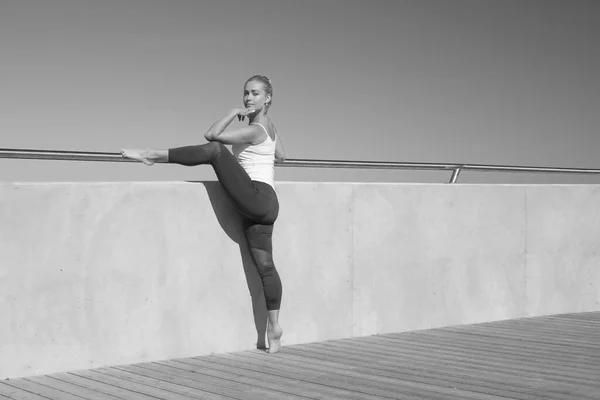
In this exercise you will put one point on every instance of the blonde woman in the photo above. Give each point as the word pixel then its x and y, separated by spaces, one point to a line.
pixel 247 176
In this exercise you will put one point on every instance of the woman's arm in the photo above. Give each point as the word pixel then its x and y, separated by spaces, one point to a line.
pixel 279 150
pixel 247 134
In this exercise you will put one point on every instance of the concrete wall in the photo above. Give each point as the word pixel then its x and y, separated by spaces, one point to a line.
pixel 106 273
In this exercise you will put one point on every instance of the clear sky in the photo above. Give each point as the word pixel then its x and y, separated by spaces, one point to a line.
pixel 472 81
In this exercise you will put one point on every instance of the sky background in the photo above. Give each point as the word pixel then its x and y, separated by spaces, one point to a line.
pixel 449 81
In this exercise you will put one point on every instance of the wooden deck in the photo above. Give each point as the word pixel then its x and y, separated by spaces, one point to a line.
pixel 556 357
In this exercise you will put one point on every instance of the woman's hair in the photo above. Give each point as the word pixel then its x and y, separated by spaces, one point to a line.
pixel 267 85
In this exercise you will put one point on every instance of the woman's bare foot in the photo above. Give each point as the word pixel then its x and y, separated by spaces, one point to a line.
pixel 137 154
pixel 274 333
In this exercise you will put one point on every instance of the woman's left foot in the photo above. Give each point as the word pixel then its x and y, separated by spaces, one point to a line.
pixel 137 154
pixel 274 334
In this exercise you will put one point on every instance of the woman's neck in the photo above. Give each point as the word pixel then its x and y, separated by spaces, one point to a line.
pixel 260 119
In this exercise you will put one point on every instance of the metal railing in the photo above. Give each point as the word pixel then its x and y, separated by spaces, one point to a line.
pixel 455 168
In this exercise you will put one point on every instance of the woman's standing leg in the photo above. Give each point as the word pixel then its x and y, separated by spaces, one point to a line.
pixel 259 238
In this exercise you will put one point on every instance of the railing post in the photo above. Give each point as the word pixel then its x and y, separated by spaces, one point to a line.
pixel 455 174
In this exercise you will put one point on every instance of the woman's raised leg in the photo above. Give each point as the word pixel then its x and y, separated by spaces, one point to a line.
pixel 231 175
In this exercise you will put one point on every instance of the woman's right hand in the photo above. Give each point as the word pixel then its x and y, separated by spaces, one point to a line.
pixel 241 113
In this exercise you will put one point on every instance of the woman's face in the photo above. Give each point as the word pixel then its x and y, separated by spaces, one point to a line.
pixel 255 95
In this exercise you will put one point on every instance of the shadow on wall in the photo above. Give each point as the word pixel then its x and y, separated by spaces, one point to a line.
pixel 232 224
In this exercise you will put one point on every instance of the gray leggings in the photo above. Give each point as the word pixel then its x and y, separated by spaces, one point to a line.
pixel 256 201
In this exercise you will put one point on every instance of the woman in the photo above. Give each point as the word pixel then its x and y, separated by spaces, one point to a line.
pixel 247 176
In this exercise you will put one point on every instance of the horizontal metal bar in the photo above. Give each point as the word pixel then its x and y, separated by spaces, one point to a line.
pixel 438 166
pixel 304 163
pixel 423 166
pixel 362 164
pixel 63 155
pixel 515 168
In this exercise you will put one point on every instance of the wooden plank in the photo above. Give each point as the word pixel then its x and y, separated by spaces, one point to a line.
pixel 420 363
pixel 286 356
pixel 15 393
pixel 530 329
pixel 570 326
pixel 307 368
pixel 232 378
pixel 563 323
pixel 76 390
pixel 593 316
pixel 518 340
pixel 387 370
pixel 494 350
pixel 590 382
pixel 389 365
pixel 293 387
pixel 306 374
pixel 567 329
pixel 41 390
pixel 509 346
pixel 444 350
pixel 537 334
pixel 147 387
pixel 101 387
pixel 520 363
pixel 430 391
pixel 572 386
pixel 585 326
pixel 475 376
pixel 364 375
pixel 316 389
pixel 136 373
pixel 550 357
pixel 557 351
pixel 208 385
pixel 285 391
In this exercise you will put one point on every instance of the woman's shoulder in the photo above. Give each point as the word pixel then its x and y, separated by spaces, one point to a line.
pixel 273 127
pixel 269 127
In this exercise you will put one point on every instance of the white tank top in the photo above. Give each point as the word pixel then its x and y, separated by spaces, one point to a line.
pixel 258 160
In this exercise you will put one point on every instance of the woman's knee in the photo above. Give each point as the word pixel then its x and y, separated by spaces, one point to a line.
pixel 215 147
pixel 266 268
